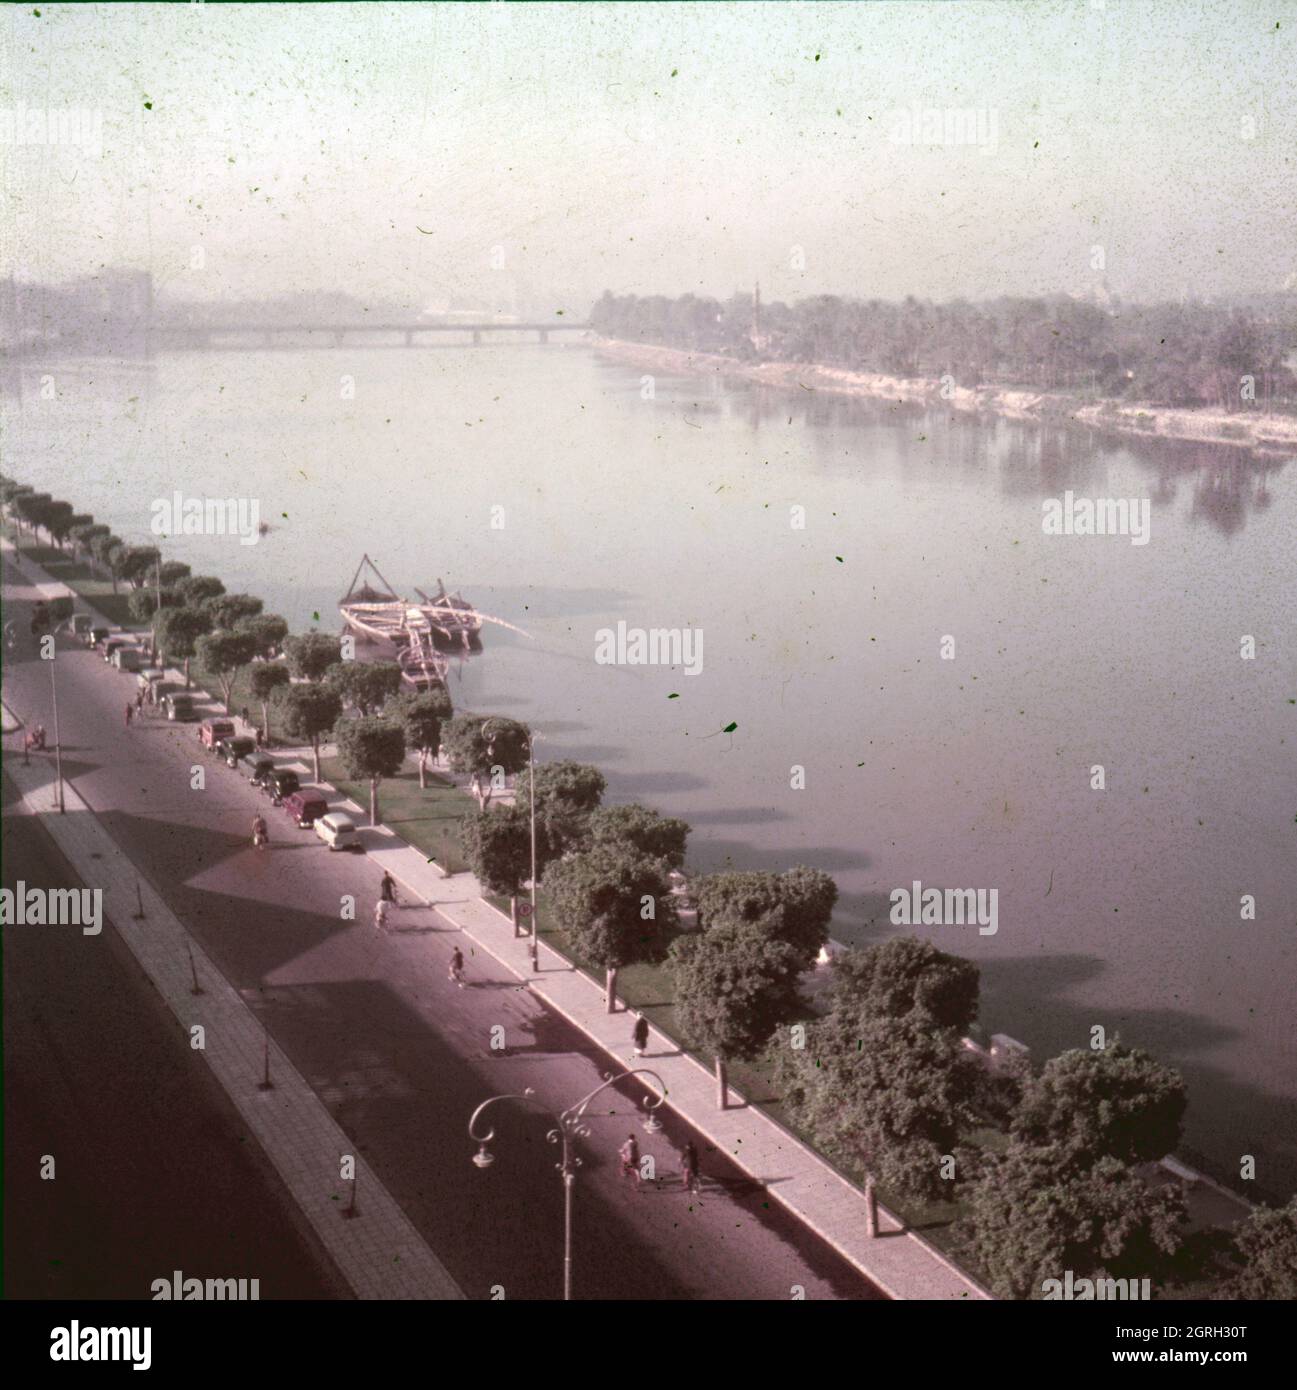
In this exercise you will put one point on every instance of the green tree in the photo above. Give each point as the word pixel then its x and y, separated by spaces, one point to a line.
pixel 58 521
pixel 422 715
pixel 265 679
pixel 224 655
pixel 136 564
pixel 308 712
pixel 1266 1244
pixel 227 611
pixel 145 604
pixel 566 794
pixel 796 905
pixel 366 685
pixel 373 749
pixel 83 536
pixel 267 631
pixel 906 977
pixel 195 589
pixel 470 750
pixel 177 631
pixel 1116 1103
pixel 1030 1219
pixel 497 845
pixel 614 906
pixel 735 984
pixel 659 837
pixel 311 654
pixel 32 507
pixel 105 547
pixel 173 571
pixel 889 1095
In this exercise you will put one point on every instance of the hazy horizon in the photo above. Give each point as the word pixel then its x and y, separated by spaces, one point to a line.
pixel 516 154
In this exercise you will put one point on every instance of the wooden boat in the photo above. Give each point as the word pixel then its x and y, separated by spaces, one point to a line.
pixel 455 622
pixel 422 666
pixel 377 613
pixel 372 613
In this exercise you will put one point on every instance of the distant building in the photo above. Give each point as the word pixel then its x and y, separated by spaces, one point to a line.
pixel 757 336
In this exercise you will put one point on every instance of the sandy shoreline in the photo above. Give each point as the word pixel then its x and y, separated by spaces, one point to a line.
pixel 1254 430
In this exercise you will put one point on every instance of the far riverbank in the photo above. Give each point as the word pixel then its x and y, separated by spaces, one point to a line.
pixel 1255 430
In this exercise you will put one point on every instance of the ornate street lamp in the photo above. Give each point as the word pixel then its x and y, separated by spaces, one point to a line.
pixel 569 1125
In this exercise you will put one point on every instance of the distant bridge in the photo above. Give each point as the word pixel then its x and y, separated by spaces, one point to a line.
pixel 299 335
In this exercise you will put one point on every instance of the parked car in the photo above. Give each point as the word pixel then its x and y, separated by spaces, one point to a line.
pixel 304 808
pixel 96 636
pixel 127 658
pixel 180 708
pixel 79 625
pixel 147 677
pixel 232 749
pixel 337 830
pixel 111 645
pixel 212 731
pixel 282 782
pixel 259 769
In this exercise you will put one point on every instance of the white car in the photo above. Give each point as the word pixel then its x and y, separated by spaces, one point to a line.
pixel 337 830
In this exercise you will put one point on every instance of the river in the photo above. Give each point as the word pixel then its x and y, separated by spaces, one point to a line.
pixel 565 492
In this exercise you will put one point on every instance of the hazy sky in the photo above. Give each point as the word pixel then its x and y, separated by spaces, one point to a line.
pixel 404 151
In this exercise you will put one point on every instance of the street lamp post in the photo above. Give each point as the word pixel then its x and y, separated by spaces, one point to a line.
pixel 531 799
pixel 569 1125
pixel 58 752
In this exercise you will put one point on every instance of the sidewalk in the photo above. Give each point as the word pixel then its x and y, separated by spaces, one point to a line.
pixel 379 1252
pixel 900 1263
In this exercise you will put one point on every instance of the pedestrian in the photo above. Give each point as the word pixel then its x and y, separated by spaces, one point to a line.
pixel 130 714
pixel 244 713
pixel 380 914
pixel 456 971
pixel 139 702
pixel 387 889
pixel 629 1153
pixel 689 1166
pixel 639 1034
pixel 259 737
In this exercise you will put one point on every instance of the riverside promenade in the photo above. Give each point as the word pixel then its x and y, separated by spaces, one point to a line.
pixel 898 1262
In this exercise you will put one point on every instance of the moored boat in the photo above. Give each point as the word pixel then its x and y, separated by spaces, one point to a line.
pixel 377 613
pixel 422 666
pixel 455 622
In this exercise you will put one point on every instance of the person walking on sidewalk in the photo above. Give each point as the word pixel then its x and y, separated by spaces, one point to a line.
pixel 130 714
pixel 629 1154
pixel 456 971
pixel 387 888
pixel 639 1034
pixel 380 914
pixel 689 1166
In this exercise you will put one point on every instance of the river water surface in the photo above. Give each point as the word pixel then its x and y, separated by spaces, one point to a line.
pixel 545 484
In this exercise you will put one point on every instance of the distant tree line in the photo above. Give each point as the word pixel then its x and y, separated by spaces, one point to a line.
pixel 1189 354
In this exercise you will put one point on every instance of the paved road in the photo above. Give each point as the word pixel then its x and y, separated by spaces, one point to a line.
pixel 398 1053
pixel 153 1170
